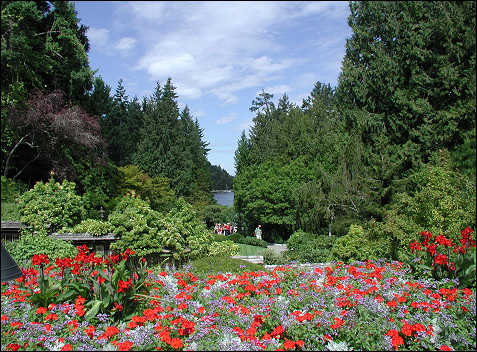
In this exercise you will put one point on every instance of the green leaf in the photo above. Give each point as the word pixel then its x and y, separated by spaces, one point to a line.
pixel 94 310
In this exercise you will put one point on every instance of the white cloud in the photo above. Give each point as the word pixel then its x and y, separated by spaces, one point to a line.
pixel 216 47
pixel 98 36
pixel 126 44
pixel 150 10
pixel 220 48
pixel 277 91
pixel 226 119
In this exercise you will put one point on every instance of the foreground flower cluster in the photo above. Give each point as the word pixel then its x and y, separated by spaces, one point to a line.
pixel 364 306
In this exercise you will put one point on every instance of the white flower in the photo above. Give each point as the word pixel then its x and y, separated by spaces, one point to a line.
pixel 229 339
pixel 58 346
pixel 436 330
pixel 338 346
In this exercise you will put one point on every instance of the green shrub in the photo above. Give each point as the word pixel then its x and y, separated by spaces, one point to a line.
pixel 220 238
pixel 155 190
pixel 253 241
pixel 271 257
pixel 97 184
pixel 50 206
pixel 297 239
pixel 147 231
pixel 91 226
pixel 214 265
pixel 28 245
pixel 224 248
pixel 358 245
pixel 236 237
pixel 438 200
pixel 137 225
pixel 306 247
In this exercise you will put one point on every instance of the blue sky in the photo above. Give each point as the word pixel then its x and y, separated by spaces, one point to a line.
pixel 220 55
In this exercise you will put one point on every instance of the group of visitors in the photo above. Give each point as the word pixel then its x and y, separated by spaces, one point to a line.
pixel 225 229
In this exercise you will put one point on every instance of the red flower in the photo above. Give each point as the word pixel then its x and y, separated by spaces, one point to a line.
pixel 176 343
pixel 443 241
pixel 415 246
pixel 38 259
pixel 431 249
pixel 80 300
pixel 51 316
pixel 445 348
pixel 41 310
pixel 338 322
pixel 289 345
pixel 109 332
pixel 113 258
pixel 406 329
pixel 124 285
pixel 182 306
pixel 440 259
pixel 277 331
pixel 67 347
pixel 125 346
pixel 118 307
pixel 74 324
pixel 13 347
pixel 90 331
pixel 396 341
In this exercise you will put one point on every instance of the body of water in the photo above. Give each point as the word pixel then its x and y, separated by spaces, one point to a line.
pixel 224 198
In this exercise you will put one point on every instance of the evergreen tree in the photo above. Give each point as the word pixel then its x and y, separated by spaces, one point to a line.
pixel 242 157
pixel 114 125
pixel 158 152
pixel 411 67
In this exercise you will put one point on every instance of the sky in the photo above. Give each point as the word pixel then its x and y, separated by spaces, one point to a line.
pixel 219 55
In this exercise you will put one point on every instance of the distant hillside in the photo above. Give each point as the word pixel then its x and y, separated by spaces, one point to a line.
pixel 220 178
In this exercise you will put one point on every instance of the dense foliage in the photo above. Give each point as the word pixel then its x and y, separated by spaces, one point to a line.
pixel 50 206
pixel 146 231
pixel 57 116
pixel 28 245
pixel 390 150
pixel 306 247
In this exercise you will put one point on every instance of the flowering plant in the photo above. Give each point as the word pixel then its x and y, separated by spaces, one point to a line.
pixel 47 290
pixel 442 258
pixel 106 285
pixel 372 305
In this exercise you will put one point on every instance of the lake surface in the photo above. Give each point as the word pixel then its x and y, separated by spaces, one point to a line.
pixel 224 198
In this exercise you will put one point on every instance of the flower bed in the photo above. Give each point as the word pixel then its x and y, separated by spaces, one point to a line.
pixel 364 306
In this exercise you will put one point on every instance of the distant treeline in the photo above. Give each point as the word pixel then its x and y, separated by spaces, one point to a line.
pixel 221 180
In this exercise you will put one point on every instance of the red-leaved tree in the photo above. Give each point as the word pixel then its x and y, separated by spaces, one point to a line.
pixel 46 124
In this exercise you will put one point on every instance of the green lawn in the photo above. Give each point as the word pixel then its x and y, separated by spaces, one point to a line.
pixel 246 249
